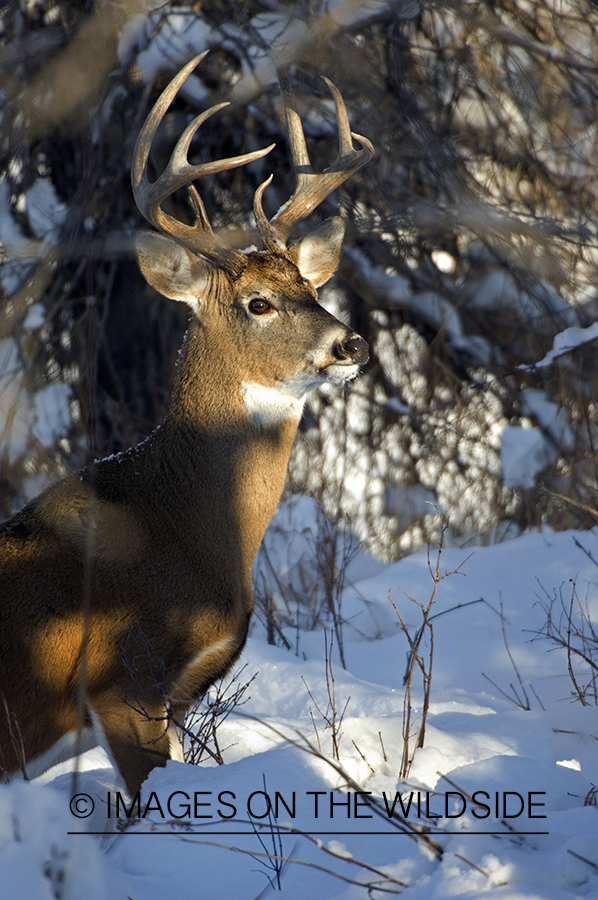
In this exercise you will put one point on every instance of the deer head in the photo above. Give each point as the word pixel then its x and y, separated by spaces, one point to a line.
pixel 283 342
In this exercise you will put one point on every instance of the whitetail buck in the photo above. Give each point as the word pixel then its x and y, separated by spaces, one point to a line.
pixel 125 590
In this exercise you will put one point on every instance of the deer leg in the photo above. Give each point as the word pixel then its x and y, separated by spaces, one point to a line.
pixel 137 738
pixel 176 732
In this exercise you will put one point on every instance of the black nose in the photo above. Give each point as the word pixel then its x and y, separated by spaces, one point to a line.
pixel 354 348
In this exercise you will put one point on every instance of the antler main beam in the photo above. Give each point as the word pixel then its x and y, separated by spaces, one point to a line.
pixel 312 187
pixel 179 173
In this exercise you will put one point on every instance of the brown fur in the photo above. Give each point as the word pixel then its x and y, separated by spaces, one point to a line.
pixel 128 585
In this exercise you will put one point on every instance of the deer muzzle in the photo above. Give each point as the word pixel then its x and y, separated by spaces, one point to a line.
pixel 352 351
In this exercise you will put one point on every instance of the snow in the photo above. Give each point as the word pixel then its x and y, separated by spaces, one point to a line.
pixel 553 420
pixel 538 764
pixel 566 341
pixel 524 453
pixel 346 12
pixel 179 38
pixel 51 412
pixel 36 316
pixel 45 414
pixel 40 858
pixel 16 246
pixel 46 213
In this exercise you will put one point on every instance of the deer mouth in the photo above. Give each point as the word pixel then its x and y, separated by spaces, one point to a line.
pixel 339 372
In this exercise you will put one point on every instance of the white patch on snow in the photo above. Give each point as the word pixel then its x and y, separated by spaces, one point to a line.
pixel 44 210
pixel 16 246
pixel 52 412
pixel 349 12
pixel 36 316
pixel 565 342
pixel 524 453
pixel 179 37
pixel 549 415
pixel 339 849
pixel 569 764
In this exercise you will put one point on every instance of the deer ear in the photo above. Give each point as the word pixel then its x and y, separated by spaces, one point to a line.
pixel 171 269
pixel 316 255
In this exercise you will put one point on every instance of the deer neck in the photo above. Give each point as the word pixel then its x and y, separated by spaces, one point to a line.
pixel 221 468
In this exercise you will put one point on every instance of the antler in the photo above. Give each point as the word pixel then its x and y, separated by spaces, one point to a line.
pixel 312 187
pixel 180 173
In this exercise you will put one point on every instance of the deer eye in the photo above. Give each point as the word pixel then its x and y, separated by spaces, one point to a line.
pixel 258 306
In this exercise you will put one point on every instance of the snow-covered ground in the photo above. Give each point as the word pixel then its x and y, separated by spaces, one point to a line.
pixel 539 764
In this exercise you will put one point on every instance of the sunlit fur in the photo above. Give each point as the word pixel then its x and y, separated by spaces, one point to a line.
pixel 126 588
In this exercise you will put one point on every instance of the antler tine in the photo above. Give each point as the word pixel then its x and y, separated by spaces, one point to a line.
pixel 269 236
pixel 295 128
pixel 345 144
pixel 313 187
pixel 180 173
pixel 144 192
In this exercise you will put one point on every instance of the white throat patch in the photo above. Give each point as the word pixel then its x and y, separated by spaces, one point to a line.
pixel 267 406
